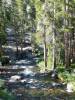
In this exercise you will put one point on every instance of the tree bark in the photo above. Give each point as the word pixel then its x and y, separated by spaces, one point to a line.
pixel 66 37
pixel 45 48
pixel 54 41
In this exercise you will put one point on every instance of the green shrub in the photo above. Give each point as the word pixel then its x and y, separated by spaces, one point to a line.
pixel 5 95
pixel 73 66
pixel 4 60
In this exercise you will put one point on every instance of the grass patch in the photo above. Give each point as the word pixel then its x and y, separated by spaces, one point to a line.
pixel 1 82
pixel 5 95
pixel 41 66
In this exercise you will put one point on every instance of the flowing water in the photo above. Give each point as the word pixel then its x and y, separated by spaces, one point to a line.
pixel 36 86
pixel 33 85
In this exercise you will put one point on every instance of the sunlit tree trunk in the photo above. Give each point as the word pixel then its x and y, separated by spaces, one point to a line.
pixel 44 37
pixel 66 36
pixel 54 41
pixel 45 48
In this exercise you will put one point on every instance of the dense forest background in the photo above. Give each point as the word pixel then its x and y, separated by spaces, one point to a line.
pixel 51 24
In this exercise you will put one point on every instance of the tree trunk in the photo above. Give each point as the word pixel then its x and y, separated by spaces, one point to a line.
pixel 66 50
pixel 66 37
pixel 44 37
pixel 54 41
pixel 45 48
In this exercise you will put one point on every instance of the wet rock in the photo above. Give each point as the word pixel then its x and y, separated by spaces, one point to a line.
pixel 14 78
pixel 23 81
pixel 57 85
pixel 54 75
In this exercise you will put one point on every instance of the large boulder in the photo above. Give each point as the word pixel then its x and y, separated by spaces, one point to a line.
pixel 14 78
pixel 69 87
